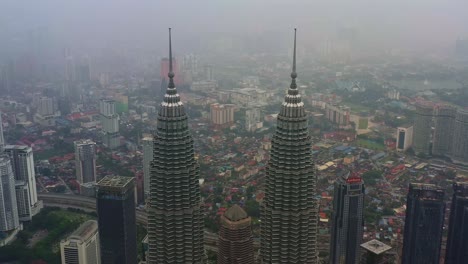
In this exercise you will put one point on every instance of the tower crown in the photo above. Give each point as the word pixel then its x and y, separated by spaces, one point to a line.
pixel 171 105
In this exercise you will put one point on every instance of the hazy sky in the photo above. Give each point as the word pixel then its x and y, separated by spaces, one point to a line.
pixel 143 23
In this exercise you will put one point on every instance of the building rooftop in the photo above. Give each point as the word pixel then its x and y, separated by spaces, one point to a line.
pixel 115 181
pixel 19 147
pixel 85 231
pixel 235 213
pixel 376 246
pixel 84 142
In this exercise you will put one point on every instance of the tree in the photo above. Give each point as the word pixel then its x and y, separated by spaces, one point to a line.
pixel 371 177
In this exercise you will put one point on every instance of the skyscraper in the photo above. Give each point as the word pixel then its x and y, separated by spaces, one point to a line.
pixel 82 246
pixel 347 221
pixel 2 139
pixel 424 220
pixel 289 210
pixel 117 220
pixel 147 143
pixel 175 214
pixel 235 242
pixel 22 162
pixel 85 158
pixel 444 119
pixel 110 123
pixel 460 134
pixel 422 128
pixel 8 207
pixel 457 242
pixel 404 138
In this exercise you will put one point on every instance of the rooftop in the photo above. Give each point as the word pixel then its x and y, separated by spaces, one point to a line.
pixel 376 246
pixel 19 147
pixel 235 213
pixel 115 181
pixel 85 231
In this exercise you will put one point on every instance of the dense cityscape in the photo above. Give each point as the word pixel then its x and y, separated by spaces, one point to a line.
pixel 234 155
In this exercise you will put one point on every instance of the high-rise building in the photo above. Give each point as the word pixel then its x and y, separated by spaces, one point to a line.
pixel 222 114
pixel 338 114
pixel 2 139
pixel 253 119
pixel 235 242
pixel 110 123
pixel 424 220
pixel 117 220
pixel 82 246
pixel 457 242
pixel 147 143
pixel 85 158
pixel 404 138
pixel 46 106
pixel 289 212
pixel 46 110
pixel 347 220
pixel 444 119
pixel 422 128
pixel 175 213
pixel 375 252
pixel 22 162
pixel 8 207
pixel 460 134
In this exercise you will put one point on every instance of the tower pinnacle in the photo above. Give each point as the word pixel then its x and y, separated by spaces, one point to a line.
pixel 171 72
pixel 293 73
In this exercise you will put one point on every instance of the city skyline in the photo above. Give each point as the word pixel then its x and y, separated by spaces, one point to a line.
pixel 201 151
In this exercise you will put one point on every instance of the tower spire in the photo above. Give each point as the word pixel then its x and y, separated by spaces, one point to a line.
pixel 293 73
pixel 171 72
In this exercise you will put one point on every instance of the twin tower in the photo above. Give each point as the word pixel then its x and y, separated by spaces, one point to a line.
pixel 289 212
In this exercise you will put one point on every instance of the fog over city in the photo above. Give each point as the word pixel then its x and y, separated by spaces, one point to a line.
pixel 91 26
pixel 233 131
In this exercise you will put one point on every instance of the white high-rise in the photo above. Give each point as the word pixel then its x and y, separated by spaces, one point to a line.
pixel 110 123
pixel 22 162
pixel 82 246
pixel 147 143
pixel 85 158
pixel 2 140
pixel 8 207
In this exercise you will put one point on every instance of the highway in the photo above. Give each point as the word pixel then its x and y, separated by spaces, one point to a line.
pixel 88 204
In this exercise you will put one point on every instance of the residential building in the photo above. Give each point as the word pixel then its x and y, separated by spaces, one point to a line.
pixel 85 158
pixel 338 114
pixel 235 241
pixel 8 206
pixel 404 138
pixel 289 212
pixel 425 208
pixel 422 128
pixel 175 213
pixel 22 162
pixel 204 86
pixel 459 151
pixel 2 139
pixel 147 143
pixel 110 123
pixel 457 242
pixel 444 121
pixel 347 220
pixel 117 220
pixel 253 119
pixel 82 246
pixel 222 114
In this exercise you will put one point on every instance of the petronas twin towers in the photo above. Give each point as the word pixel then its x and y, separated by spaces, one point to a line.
pixel 289 210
